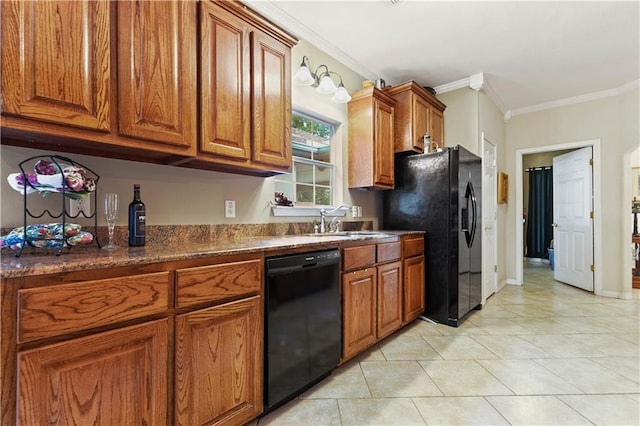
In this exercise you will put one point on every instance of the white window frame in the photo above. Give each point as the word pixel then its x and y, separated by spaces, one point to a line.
pixel 336 174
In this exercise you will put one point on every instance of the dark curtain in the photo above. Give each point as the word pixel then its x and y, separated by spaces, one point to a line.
pixel 540 215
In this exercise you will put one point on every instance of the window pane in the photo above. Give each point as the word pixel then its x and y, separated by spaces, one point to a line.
pixel 304 193
pixel 304 173
pixel 323 196
pixel 323 155
pixel 311 140
pixel 323 175
pixel 298 151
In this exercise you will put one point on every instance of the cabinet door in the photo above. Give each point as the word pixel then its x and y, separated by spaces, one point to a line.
pixel 271 101
pixel 225 103
pixel 218 364
pixel 55 61
pixel 157 71
pixel 389 298
pixel 359 310
pixel 437 127
pixel 383 140
pixel 117 377
pixel 413 288
pixel 421 122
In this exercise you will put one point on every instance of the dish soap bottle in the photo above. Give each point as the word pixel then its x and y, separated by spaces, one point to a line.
pixel 137 219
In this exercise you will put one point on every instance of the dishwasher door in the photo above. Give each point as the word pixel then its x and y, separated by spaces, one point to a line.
pixel 303 323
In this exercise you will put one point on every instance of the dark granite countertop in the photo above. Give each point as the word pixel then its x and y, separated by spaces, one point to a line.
pixel 41 262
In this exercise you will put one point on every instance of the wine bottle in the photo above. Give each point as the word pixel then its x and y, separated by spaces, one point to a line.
pixel 137 219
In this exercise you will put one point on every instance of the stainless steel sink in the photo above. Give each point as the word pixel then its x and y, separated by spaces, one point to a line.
pixel 351 234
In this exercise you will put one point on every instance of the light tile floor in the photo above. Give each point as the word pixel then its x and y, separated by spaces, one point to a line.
pixel 544 353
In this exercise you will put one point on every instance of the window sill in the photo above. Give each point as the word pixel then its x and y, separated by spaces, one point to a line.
pixel 283 211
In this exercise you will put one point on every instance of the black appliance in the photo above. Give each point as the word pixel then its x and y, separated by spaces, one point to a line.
pixel 440 193
pixel 303 323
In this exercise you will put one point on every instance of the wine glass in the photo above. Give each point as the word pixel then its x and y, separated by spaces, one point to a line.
pixel 110 214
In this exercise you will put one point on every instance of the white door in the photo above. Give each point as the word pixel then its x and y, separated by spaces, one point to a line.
pixel 489 226
pixel 572 222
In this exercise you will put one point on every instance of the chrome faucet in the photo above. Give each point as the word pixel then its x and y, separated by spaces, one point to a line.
pixel 323 217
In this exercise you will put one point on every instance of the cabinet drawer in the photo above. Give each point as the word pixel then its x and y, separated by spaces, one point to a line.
pixel 388 252
pixel 67 308
pixel 413 246
pixel 359 257
pixel 215 282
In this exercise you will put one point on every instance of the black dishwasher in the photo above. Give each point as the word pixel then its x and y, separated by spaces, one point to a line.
pixel 303 323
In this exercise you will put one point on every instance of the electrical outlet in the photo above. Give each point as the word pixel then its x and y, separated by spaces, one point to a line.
pixel 359 211
pixel 229 208
pixel 81 207
pixel 354 211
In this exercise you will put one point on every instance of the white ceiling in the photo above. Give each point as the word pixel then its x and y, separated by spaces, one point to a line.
pixel 531 53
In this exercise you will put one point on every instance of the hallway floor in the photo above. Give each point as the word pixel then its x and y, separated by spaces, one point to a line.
pixel 544 353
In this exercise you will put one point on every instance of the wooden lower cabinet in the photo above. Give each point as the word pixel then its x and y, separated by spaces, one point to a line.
pixel 389 298
pixel 359 310
pixel 117 377
pixel 413 288
pixel 371 299
pixel 218 364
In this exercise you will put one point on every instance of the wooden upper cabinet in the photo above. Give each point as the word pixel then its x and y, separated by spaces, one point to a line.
pixel 371 130
pixel 383 174
pixel 417 113
pixel 56 63
pixel 271 101
pixel 245 93
pixel 225 83
pixel 437 127
pixel 157 71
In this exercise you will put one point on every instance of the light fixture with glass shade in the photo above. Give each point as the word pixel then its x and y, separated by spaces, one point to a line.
pixel 322 81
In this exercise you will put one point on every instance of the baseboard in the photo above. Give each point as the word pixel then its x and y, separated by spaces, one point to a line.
pixel 624 295
pixel 511 281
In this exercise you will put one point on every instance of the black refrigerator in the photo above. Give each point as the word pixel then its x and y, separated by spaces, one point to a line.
pixel 441 193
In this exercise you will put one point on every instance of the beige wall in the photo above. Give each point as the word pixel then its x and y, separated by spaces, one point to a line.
pixel 461 119
pixel 469 116
pixel 614 121
pixel 175 195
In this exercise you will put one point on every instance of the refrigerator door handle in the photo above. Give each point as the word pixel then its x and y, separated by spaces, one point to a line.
pixel 474 212
pixel 470 195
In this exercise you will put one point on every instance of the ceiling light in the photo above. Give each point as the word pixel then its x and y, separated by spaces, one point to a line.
pixel 303 76
pixel 341 96
pixel 322 81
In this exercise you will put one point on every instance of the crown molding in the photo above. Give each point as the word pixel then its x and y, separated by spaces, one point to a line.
pixel 577 99
pixel 454 85
pixel 279 16
pixel 510 113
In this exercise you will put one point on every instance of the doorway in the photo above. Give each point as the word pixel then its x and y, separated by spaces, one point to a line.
pixel 489 220
pixel 537 201
pixel 597 225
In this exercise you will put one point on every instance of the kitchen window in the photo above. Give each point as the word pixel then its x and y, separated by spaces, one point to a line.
pixel 311 181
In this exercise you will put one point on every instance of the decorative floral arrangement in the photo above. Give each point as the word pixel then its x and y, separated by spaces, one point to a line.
pixel 48 177
pixel 49 235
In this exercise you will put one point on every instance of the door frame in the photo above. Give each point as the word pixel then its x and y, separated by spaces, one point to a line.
pixel 486 292
pixel 597 208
